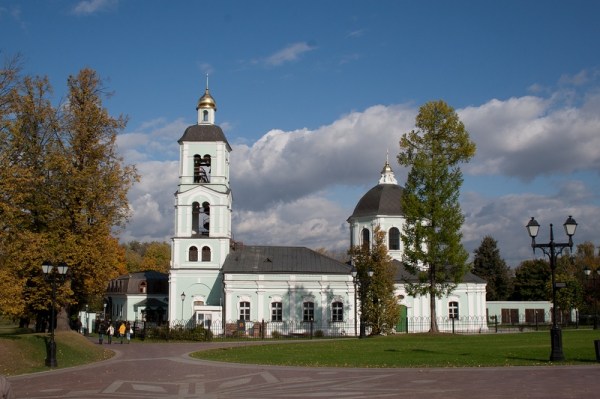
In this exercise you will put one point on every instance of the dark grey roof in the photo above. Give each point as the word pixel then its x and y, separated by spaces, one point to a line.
pixel 267 259
pixel 403 276
pixel 156 282
pixel 383 199
pixel 204 133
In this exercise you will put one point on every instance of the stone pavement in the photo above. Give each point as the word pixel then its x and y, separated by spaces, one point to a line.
pixel 165 370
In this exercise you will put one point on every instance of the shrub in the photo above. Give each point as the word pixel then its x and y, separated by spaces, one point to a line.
pixel 319 334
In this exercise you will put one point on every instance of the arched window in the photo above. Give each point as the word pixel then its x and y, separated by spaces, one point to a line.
pixel 337 311
pixel 308 311
pixel 366 238
pixel 205 116
pixel 453 310
pixel 143 287
pixel 394 239
pixel 195 218
pixel 244 310
pixel 200 175
pixel 205 254
pixel 205 218
pixel 193 254
pixel 276 311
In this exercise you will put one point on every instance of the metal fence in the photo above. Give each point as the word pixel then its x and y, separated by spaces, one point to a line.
pixel 241 329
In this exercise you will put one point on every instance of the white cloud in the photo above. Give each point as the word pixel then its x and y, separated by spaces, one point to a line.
pixel 88 7
pixel 285 185
pixel 290 53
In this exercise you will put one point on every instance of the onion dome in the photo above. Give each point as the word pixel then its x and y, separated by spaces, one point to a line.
pixel 206 101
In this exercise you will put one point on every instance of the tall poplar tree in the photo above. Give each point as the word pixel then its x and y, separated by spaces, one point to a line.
pixel 378 304
pixel 432 237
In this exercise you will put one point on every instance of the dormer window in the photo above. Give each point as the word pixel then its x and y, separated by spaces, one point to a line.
pixel 143 288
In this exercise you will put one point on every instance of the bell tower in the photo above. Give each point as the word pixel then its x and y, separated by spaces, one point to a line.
pixel 202 219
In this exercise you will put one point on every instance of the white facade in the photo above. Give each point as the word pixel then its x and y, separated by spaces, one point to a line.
pixel 209 284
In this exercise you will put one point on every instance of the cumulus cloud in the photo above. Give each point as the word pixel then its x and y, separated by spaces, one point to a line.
pixel 286 185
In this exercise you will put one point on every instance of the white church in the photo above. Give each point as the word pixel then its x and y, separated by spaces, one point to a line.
pixel 214 280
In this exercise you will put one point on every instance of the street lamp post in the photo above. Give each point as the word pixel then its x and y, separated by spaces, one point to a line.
pixel 104 310
pixel 588 273
pixel 552 250
pixel 182 301
pixel 364 287
pixel 87 321
pixel 53 273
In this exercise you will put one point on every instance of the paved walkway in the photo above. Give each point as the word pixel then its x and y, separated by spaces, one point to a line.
pixel 166 371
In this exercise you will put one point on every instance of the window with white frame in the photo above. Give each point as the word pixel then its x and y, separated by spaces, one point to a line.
pixel 308 311
pixel 337 311
pixel 453 310
pixel 276 311
pixel 244 311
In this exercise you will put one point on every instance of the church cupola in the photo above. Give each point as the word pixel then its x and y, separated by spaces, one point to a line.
pixel 387 174
pixel 206 107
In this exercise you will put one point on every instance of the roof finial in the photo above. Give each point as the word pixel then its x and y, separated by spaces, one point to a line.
pixel 206 80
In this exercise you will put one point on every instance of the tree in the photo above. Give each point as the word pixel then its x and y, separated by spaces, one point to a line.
pixel 431 236
pixel 157 257
pixel 585 257
pixel 63 192
pixel 488 265
pixel 378 304
pixel 28 127
pixel 530 281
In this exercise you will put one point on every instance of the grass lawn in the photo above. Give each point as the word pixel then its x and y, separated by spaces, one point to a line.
pixel 22 353
pixel 417 350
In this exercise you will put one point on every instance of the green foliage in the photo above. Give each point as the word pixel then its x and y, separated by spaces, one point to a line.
pixel 378 304
pixel 199 333
pixel 431 236
pixel 488 265
pixel 147 256
pixel 531 279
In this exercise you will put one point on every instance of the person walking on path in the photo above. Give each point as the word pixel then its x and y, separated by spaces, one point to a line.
pixel 111 332
pixel 129 331
pixel 101 332
pixel 122 331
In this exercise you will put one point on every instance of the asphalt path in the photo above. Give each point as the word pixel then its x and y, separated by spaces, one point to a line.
pixel 165 370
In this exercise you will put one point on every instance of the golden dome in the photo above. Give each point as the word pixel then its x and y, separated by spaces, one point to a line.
pixel 206 101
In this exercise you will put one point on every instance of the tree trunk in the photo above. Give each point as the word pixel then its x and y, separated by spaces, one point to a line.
pixel 62 320
pixel 433 326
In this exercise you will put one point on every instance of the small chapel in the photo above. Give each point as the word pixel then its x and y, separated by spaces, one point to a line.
pixel 214 280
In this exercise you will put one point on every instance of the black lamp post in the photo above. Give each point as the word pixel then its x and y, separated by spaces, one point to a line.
pixel 182 300
pixel 364 287
pixel 552 250
pixel 53 273
pixel 588 273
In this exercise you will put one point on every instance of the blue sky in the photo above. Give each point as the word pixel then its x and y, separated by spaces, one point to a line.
pixel 312 95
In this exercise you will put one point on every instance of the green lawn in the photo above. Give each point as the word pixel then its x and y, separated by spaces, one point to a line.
pixel 417 350
pixel 22 353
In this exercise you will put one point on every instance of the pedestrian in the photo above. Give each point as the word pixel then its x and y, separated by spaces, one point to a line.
pixel 129 331
pixel 111 332
pixel 122 331
pixel 101 331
